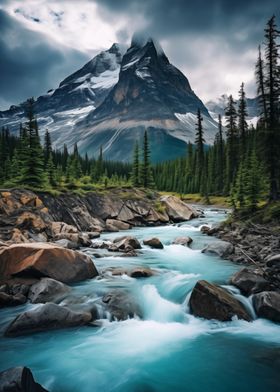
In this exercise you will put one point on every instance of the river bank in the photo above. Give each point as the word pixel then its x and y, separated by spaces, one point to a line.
pixel 165 346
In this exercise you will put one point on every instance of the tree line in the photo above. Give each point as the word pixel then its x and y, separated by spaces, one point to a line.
pixel 244 162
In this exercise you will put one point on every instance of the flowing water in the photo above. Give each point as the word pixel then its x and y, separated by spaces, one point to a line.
pixel 169 350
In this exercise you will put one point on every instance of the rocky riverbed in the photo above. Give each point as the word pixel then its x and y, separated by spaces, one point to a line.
pixel 129 301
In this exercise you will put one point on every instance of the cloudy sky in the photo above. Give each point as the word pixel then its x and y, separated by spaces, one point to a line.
pixel 214 42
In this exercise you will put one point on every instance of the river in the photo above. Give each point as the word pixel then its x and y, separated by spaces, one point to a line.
pixel 169 350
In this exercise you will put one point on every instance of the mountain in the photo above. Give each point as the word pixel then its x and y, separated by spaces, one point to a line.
pixel 218 105
pixel 150 94
pixel 60 109
pixel 114 98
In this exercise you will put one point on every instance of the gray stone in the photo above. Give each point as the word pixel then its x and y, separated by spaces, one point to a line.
pixel 46 290
pixel 46 317
pixel 249 282
pixel 220 248
pixel 267 305
pixel 19 379
pixel 121 305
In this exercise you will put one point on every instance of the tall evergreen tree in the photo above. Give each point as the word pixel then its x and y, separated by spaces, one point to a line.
pixel 146 172
pixel 135 176
pixel 199 142
pixel 242 123
pixel 232 143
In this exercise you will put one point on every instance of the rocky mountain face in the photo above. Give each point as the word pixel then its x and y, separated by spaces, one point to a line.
pixel 60 109
pixel 114 98
pixel 217 106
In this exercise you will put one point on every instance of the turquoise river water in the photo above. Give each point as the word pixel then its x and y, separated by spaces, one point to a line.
pixel 169 350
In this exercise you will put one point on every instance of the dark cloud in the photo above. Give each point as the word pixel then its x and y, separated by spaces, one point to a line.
pixel 30 64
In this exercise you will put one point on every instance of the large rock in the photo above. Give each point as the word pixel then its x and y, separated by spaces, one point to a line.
pixel 46 260
pixel 177 210
pixel 273 261
pixel 153 243
pixel 116 225
pixel 127 242
pixel 46 317
pixel 184 241
pixel 67 244
pixel 11 300
pixel 267 305
pixel 213 302
pixel 19 379
pixel 62 228
pixel 137 272
pixel 121 305
pixel 46 290
pixel 220 248
pixel 249 282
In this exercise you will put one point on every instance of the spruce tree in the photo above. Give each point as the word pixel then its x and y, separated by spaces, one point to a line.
pixel 33 159
pixel 232 143
pixel 146 172
pixel 242 123
pixel 199 141
pixel 135 176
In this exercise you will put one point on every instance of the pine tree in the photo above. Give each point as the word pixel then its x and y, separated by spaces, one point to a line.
pixel 33 159
pixel 272 89
pixel 199 141
pixel 47 148
pixel 242 123
pixel 135 176
pixel 232 143
pixel 146 172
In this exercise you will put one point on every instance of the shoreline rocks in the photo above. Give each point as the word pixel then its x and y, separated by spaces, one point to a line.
pixel 267 305
pixel 46 290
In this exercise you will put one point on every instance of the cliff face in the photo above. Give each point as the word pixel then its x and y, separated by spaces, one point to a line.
pixel 27 216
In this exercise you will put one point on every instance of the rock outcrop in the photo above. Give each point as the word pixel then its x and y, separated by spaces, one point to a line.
pixel 267 305
pixel 19 379
pixel 38 260
pixel 11 300
pixel 177 210
pixel 213 302
pixel 46 317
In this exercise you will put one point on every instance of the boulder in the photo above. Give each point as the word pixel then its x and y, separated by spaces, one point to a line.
pixel 116 224
pixel 46 290
pixel 45 260
pixel 220 248
pixel 137 272
pixel 204 229
pixel 46 317
pixel 127 242
pixel 67 244
pixel 141 272
pixel 184 241
pixel 62 228
pixel 249 282
pixel 17 237
pixel 11 300
pixel 213 302
pixel 19 379
pixel 153 243
pixel 267 305
pixel 273 261
pixel 121 305
pixel 93 234
pixel 177 210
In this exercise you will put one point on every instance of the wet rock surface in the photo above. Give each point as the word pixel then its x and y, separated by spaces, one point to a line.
pixel 153 243
pixel 213 302
pixel 267 305
pixel 250 282
pixel 46 290
pixel 121 305
pixel 19 379
pixel 46 317
pixel 184 241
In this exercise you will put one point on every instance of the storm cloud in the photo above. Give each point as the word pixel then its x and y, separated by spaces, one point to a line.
pixel 213 42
